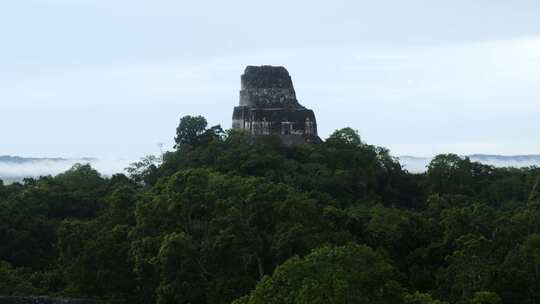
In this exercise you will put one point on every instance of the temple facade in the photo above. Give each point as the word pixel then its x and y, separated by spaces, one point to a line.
pixel 268 106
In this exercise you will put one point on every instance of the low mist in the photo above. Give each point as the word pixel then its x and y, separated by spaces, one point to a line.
pixel 419 164
pixel 22 168
pixel 16 169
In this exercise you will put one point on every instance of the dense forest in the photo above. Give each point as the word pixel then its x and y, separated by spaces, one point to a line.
pixel 229 218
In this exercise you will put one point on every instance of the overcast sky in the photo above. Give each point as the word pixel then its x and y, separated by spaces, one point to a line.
pixel 111 78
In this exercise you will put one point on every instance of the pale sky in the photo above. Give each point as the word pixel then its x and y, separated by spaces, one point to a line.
pixel 111 78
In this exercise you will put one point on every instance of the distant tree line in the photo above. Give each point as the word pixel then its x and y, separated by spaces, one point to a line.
pixel 229 218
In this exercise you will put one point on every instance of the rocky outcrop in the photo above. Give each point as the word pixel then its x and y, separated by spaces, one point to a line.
pixel 42 300
pixel 268 106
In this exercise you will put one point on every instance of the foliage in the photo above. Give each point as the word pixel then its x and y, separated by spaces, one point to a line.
pixel 189 130
pixel 421 298
pixel 144 170
pixel 347 274
pixel 345 136
pixel 229 217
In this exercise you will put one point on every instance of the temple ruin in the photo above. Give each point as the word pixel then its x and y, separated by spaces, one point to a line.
pixel 268 106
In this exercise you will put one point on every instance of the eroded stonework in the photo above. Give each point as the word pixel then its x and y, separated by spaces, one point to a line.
pixel 268 106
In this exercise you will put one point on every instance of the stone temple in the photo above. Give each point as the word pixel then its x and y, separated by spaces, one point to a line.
pixel 268 106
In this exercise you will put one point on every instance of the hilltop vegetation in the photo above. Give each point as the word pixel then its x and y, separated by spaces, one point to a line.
pixel 227 218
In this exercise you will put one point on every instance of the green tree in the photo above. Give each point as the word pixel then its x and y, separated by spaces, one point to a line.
pixel 145 170
pixel 520 273
pixel 189 129
pixel 17 281
pixel 346 136
pixel 486 297
pixel 95 261
pixel 348 274
pixel 421 298
pixel 469 270
pixel 182 278
pixel 449 173
pixel 3 190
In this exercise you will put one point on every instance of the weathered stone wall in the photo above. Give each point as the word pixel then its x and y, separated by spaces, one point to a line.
pixel 42 300
pixel 268 98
